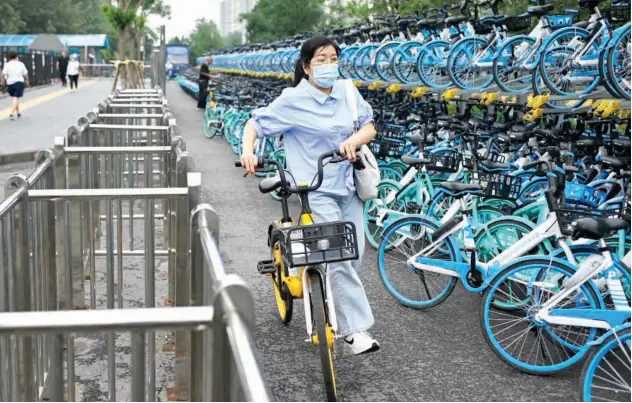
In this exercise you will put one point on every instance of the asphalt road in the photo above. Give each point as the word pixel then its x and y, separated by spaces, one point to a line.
pixel 433 355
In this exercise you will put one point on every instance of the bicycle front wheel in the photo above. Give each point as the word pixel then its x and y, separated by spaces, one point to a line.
pixel 324 333
pixel 606 374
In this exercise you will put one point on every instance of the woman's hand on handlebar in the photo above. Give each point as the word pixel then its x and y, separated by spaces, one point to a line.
pixel 249 161
pixel 348 149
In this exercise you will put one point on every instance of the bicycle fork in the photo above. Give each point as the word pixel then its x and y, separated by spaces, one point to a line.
pixel 329 301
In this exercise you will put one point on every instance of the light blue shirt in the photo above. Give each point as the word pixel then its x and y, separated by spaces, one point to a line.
pixel 312 124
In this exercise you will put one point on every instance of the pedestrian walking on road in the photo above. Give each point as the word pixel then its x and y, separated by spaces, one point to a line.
pixel 73 71
pixel 62 67
pixel 203 80
pixel 16 77
pixel 314 118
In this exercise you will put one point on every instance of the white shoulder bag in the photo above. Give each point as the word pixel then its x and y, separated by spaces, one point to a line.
pixel 367 179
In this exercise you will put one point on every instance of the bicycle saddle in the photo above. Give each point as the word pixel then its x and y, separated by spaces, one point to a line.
pixel 458 187
pixel 613 162
pixel 366 28
pixel 455 20
pixel 519 137
pixel 410 160
pixel 503 138
pixel 502 126
pixel 384 32
pixel 549 132
pixel 539 11
pixel 269 184
pixel 492 166
pixel 404 23
pixel 596 228
pixel 492 19
pixel 586 143
pixel 623 143
pixel 426 23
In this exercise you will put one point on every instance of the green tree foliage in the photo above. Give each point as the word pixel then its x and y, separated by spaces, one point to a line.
pixel 53 17
pixel 11 21
pixel 129 18
pixel 234 39
pixel 281 18
pixel 178 40
pixel 205 36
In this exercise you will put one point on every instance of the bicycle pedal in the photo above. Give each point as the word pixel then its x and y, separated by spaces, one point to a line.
pixel 266 267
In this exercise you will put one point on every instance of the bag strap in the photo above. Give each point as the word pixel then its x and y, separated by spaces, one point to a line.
pixel 351 101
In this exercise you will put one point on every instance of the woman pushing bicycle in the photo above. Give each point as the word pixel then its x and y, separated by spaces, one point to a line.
pixel 314 118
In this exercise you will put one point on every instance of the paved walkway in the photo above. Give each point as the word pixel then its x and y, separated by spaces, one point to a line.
pixel 47 113
pixel 433 355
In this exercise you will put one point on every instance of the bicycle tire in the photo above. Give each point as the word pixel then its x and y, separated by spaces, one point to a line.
pixel 550 46
pixel 449 247
pixel 592 364
pixel 623 92
pixel 497 69
pixel 603 73
pixel 283 298
pixel 587 290
pixel 319 316
pixel 453 59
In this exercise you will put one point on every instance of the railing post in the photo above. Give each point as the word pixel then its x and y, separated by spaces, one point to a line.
pixel 22 281
pixel 183 274
pixel 73 181
pixel 198 268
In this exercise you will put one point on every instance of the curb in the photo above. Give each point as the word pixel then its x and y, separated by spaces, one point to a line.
pixel 15 158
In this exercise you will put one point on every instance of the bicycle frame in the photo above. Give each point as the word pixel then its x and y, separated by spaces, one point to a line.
pixel 595 317
pixel 549 228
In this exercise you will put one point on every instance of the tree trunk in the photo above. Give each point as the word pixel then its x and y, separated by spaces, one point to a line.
pixel 132 46
pixel 121 45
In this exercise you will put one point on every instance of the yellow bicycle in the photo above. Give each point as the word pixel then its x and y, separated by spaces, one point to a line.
pixel 299 257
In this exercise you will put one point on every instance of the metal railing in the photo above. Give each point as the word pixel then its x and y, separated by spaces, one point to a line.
pixel 115 206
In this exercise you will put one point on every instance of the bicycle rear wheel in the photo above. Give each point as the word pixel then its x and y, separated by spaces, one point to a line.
pixel 324 333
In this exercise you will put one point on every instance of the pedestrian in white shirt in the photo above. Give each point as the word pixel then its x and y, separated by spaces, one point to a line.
pixel 73 71
pixel 16 76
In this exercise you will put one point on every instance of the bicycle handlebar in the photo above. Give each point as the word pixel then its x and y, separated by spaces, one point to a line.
pixel 263 163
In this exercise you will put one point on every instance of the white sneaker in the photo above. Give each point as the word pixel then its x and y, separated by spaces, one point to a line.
pixel 361 342
pixel 13 116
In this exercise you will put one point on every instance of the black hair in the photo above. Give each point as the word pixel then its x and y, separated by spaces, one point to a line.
pixel 308 49
pixel 13 55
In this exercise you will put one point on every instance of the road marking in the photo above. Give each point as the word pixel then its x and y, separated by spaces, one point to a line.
pixel 4 114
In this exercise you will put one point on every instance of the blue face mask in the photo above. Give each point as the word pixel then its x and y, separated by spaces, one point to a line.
pixel 325 75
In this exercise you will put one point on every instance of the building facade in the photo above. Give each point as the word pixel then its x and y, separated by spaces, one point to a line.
pixel 230 10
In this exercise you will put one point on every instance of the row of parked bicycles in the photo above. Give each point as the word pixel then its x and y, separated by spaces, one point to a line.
pixel 526 205
pixel 538 51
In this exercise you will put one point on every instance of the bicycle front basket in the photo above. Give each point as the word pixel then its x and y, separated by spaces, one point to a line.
pixel 319 243
pixel 500 186
pixel 576 193
pixel 566 217
pixel 443 163
pixel 618 15
pixel 518 23
pixel 387 148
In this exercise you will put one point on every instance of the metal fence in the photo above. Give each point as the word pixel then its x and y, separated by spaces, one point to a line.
pixel 40 65
pixel 119 192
